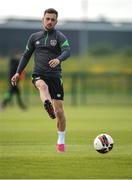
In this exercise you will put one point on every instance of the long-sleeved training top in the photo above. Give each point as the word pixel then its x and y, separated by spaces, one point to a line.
pixel 46 45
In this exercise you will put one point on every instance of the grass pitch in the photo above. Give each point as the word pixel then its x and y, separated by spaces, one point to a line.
pixel 28 144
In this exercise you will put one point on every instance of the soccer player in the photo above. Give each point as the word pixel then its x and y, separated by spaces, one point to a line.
pixel 50 48
pixel 13 90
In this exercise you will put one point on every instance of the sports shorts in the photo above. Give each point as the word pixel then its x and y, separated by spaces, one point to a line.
pixel 55 85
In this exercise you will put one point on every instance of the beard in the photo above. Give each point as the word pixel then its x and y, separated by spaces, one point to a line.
pixel 49 26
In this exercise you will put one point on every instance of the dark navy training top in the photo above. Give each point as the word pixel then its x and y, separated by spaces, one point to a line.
pixel 46 45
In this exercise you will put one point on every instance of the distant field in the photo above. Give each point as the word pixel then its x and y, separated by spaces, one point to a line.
pixel 118 62
pixel 28 144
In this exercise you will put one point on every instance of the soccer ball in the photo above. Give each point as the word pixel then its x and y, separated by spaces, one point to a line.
pixel 103 143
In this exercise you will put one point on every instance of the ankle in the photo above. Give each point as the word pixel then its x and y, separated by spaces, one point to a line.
pixel 61 137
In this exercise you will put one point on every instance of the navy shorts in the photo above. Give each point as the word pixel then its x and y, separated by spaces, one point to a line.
pixel 55 85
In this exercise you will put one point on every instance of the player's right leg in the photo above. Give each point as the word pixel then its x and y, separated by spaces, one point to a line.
pixel 6 100
pixel 19 98
pixel 61 124
pixel 45 97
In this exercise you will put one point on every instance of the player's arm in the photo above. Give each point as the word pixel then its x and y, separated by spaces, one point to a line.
pixel 26 55
pixel 65 47
pixel 24 60
pixel 65 51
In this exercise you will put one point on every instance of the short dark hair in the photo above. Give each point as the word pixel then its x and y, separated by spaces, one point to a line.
pixel 51 11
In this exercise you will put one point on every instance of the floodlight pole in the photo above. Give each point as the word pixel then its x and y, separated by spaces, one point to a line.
pixel 83 35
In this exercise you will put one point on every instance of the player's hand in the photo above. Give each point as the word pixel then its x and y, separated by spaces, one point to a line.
pixel 14 79
pixel 54 62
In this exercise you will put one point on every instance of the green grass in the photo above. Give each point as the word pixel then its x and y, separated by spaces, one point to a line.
pixel 28 144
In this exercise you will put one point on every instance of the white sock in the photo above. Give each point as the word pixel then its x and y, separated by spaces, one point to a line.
pixel 61 137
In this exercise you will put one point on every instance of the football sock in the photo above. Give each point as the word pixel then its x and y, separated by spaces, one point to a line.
pixel 61 137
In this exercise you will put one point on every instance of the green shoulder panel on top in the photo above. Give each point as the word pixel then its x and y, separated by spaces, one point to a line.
pixel 66 43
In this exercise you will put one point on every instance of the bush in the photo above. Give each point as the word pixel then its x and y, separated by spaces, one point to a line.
pixel 127 51
pixel 101 49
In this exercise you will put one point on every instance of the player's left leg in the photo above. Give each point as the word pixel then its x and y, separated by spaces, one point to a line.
pixel 61 124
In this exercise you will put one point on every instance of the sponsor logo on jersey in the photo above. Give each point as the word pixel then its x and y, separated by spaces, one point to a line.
pixel 53 42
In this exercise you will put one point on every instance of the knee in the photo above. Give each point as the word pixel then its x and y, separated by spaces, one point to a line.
pixel 41 86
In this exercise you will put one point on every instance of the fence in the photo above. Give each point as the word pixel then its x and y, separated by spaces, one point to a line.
pixel 85 88
pixel 88 88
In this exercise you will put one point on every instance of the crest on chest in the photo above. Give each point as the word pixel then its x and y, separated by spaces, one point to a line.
pixel 53 42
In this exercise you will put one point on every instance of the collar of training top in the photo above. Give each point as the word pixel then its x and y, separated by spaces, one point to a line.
pixel 49 31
